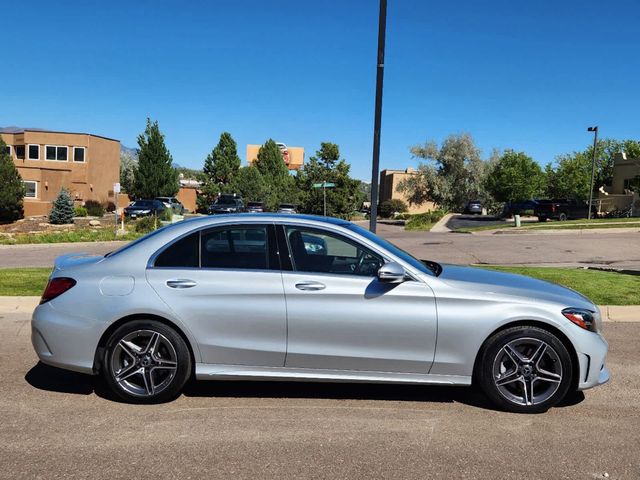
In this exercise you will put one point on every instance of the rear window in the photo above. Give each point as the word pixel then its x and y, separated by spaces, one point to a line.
pixel 183 253
pixel 238 248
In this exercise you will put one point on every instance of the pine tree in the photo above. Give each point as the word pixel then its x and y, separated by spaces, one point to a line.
pixel 11 188
pixel 62 211
pixel 279 186
pixel 223 163
pixel 154 176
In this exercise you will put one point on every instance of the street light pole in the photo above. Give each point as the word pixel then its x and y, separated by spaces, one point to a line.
pixel 382 25
pixel 593 165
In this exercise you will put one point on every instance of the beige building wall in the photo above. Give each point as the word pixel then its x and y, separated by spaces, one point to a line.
pixel 389 189
pixel 295 161
pixel 91 179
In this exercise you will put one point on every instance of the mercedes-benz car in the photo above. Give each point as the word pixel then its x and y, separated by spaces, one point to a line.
pixel 297 297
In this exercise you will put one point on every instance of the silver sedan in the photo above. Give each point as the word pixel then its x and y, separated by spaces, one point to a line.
pixel 294 297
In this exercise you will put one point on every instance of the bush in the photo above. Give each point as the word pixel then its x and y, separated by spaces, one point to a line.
pixel 80 212
pixel 146 224
pixel 94 208
pixel 110 207
pixel 166 215
pixel 63 210
pixel 424 221
pixel 388 208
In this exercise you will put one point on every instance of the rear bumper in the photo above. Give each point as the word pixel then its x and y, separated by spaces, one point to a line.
pixel 62 340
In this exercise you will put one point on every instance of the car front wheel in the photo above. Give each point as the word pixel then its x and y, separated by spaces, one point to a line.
pixel 525 369
pixel 145 361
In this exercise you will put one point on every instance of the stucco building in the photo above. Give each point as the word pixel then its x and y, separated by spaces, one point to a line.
pixel 87 165
pixel 389 189
pixel 293 156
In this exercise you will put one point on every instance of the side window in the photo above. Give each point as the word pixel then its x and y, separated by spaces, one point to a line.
pixel 325 252
pixel 183 253
pixel 236 247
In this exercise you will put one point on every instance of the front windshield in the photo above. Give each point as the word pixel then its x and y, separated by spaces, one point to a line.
pixel 225 201
pixel 143 203
pixel 398 252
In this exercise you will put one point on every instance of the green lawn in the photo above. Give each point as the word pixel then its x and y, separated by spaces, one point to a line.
pixel 603 288
pixel 84 235
pixel 23 281
pixel 581 224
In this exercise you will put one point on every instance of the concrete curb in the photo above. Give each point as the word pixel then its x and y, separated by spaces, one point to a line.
pixel 610 313
pixel 441 225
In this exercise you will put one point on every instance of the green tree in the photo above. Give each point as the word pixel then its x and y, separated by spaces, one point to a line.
pixel 249 184
pixel 279 186
pixel 223 162
pixel 392 206
pixel 154 175
pixel 127 172
pixel 326 166
pixel 12 189
pixel 63 209
pixel 452 174
pixel 515 176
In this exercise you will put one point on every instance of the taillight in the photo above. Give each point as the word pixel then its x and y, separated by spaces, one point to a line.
pixel 56 287
pixel 553 209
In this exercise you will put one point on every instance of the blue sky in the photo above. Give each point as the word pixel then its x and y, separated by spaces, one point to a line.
pixel 530 76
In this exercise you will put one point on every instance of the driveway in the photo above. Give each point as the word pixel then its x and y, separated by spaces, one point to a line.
pixel 57 424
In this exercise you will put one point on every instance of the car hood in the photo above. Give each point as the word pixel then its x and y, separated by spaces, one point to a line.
pixel 490 283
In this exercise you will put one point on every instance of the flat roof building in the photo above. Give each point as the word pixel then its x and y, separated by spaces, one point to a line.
pixel 293 156
pixel 87 165
pixel 389 189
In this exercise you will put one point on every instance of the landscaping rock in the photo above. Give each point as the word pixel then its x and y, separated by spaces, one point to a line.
pixel 94 223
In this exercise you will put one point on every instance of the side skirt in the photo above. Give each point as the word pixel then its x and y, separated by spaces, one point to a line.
pixel 205 371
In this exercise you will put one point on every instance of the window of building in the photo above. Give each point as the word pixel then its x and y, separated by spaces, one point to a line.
pixel 20 151
pixel 78 154
pixel 320 251
pixel 235 247
pixel 183 253
pixel 31 188
pixel 632 183
pixel 56 153
pixel 34 152
pixel 7 150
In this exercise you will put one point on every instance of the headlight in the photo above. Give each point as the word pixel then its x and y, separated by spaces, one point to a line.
pixel 583 318
pixel 145 211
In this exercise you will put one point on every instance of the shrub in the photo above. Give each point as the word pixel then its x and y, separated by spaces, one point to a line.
pixel 146 224
pixel 390 207
pixel 63 210
pixel 424 221
pixel 94 208
pixel 80 212
pixel 12 191
pixel 166 215
pixel 110 207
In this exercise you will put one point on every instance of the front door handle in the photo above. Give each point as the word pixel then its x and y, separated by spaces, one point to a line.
pixel 181 283
pixel 310 286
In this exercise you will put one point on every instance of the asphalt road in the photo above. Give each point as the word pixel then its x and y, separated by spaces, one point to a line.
pixel 614 250
pixel 56 424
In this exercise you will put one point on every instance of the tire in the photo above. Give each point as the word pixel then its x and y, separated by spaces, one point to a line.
pixel 562 217
pixel 145 361
pixel 525 369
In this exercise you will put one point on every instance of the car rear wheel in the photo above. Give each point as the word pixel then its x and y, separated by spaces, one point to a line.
pixel 525 369
pixel 562 217
pixel 145 361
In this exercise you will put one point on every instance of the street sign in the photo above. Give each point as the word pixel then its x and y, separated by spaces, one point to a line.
pixel 324 185
pixel 116 188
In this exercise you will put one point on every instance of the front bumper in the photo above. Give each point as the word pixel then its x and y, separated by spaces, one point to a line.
pixel 592 350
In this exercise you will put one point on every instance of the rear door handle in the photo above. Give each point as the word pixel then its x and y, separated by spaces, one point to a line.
pixel 181 283
pixel 310 286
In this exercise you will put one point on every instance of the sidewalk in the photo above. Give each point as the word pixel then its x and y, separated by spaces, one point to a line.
pixel 610 313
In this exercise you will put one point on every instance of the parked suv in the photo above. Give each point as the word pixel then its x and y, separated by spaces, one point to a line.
pixel 473 207
pixel 287 208
pixel 173 203
pixel 227 204
pixel 562 209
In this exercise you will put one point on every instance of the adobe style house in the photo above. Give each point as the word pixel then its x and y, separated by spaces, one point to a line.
pixel 293 156
pixel 389 189
pixel 87 165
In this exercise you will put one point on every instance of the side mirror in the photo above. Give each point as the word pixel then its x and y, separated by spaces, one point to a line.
pixel 391 272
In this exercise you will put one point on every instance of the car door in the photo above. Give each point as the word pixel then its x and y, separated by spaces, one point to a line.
pixel 341 317
pixel 225 284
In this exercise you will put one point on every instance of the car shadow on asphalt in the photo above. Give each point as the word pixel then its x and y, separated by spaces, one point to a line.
pixel 52 379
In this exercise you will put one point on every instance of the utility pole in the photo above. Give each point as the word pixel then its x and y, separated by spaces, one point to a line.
pixel 593 165
pixel 382 25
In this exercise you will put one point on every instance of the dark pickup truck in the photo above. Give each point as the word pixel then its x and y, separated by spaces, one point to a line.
pixel 562 209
